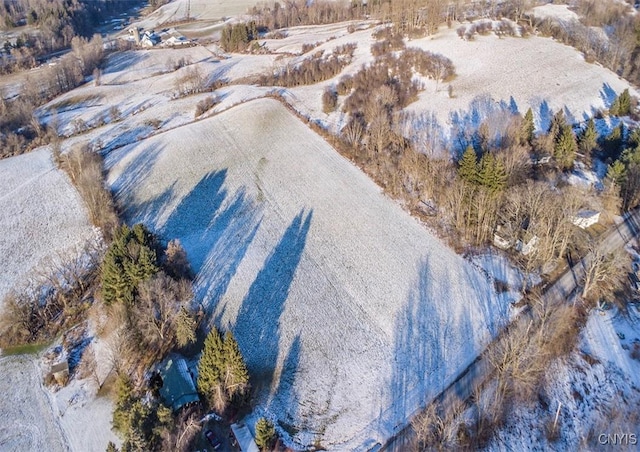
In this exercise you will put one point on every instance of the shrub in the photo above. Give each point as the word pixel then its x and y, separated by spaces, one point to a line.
pixel 314 69
pixel 345 85
pixel 206 104
pixel 329 100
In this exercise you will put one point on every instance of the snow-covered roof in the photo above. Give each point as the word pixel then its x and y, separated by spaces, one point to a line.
pixel 244 438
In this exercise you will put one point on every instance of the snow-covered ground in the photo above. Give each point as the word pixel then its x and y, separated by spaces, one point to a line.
pixel 560 12
pixel 27 421
pixel 511 73
pixel 349 312
pixel 597 389
pixel 201 10
pixel 41 216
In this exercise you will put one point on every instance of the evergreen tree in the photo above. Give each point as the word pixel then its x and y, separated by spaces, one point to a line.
pixel 621 105
pixel 111 447
pixel 528 127
pixel 130 260
pixel 236 373
pixel 468 166
pixel 565 148
pixel 492 174
pixel 211 366
pixel 124 401
pixel 558 122
pixel 634 138
pixel 265 434
pixel 616 173
pixel 614 142
pixel 588 139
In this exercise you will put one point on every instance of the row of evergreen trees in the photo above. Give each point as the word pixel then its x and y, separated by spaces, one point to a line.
pixel 236 37
pixel 489 172
pixel 222 373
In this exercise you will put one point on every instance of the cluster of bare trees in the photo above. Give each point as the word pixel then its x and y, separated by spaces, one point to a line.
pixel 57 23
pixel 20 129
pixel 52 298
pixel 85 169
pixel 314 69
pixel 517 364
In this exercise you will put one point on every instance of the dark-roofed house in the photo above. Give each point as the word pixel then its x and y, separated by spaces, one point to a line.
pixel 178 389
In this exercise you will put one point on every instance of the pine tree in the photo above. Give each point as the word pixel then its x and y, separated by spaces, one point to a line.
pixel 111 447
pixel 616 173
pixel 236 379
pixel 468 166
pixel 211 366
pixel 621 105
pixel 558 122
pixel 265 434
pixel 612 145
pixel 124 401
pixel 634 138
pixel 492 174
pixel 565 148
pixel 130 260
pixel 528 127
pixel 588 139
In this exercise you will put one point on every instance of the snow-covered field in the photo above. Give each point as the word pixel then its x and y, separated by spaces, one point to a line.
pixel 561 12
pixel 514 74
pixel 201 10
pixel 349 312
pixel 41 216
pixel 27 421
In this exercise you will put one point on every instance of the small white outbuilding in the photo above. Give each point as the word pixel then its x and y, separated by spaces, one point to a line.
pixel 586 218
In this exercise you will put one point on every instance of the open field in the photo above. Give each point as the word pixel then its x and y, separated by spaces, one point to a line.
pixel 332 290
pixel 41 216
pixel 520 73
pixel 27 421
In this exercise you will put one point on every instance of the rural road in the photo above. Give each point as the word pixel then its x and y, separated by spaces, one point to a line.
pixel 478 371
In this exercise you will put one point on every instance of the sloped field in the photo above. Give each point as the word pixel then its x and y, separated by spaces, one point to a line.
pixel 348 311
pixel 41 215
pixel 26 418
pixel 531 72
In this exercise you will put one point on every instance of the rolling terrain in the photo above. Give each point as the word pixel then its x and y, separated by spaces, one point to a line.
pixel 332 290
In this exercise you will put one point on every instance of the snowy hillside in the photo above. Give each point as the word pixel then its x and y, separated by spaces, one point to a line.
pixel 41 216
pixel 348 311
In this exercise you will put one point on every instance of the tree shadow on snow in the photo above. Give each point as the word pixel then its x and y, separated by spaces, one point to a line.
pixel 257 325
pixel 214 228
pixel 285 394
pixel 435 335
pixel 608 95
pixel 133 176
